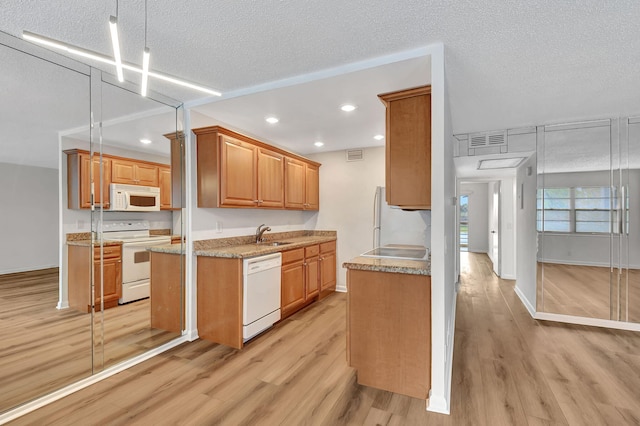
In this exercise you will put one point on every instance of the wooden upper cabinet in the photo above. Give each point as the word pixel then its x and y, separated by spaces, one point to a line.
pixel 164 180
pixel 294 184
pixel 408 147
pixel 234 170
pixel 270 178
pixel 134 173
pixel 83 179
pixel 238 173
pixel 312 187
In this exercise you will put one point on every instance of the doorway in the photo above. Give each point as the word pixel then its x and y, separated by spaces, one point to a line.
pixel 463 225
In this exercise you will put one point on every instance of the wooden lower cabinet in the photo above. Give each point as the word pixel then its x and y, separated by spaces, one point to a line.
pixel 292 295
pixel 81 260
pixel 220 300
pixel 389 331
pixel 327 267
pixel 167 292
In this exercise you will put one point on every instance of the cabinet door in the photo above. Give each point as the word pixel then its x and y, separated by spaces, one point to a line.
pixel 292 285
pixel 312 187
pixel 294 184
pixel 112 283
pixel 270 179
pixel 123 171
pixel 408 149
pixel 328 270
pixel 90 181
pixel 312 277
pixel 238 173
pixel 164 175
pixel 146 174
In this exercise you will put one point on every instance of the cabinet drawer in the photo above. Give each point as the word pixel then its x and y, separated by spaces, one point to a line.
pixel 311 251
pixel 110 252
pixel 291 256
pixel 328 247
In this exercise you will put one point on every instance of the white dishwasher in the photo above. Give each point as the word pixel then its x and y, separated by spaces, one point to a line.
pixel 261 290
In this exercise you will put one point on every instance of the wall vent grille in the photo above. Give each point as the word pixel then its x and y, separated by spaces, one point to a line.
pixel 481 140
pixel 355 155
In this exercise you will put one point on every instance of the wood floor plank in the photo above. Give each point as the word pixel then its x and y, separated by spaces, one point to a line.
pixel 507 369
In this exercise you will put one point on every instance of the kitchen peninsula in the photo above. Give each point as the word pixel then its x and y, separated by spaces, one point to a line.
pixel 389 323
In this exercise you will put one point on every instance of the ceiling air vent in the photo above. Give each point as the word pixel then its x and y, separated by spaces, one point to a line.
pixel 355 155
pixel 481 140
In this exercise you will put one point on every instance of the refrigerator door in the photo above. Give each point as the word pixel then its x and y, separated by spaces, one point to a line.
pixel 393 225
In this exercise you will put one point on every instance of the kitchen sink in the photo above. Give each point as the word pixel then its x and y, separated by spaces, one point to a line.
pixel 273 243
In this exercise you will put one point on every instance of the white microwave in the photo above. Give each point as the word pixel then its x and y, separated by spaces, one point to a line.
pixel 134 198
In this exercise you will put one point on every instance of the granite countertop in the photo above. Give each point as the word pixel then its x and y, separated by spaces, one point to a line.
pixel 87 243
pixel 398 266
pixel 244 247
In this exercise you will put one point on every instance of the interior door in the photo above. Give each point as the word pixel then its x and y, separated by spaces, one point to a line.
pixel 494 227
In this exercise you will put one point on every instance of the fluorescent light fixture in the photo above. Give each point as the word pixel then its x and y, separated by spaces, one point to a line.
pixel 113 26
pixel 378 137
pixel 502 163
pixel 348 107
pixel 319 144
pixel 271 120
pixel 145 141
pixel 145 71
pixel 89 54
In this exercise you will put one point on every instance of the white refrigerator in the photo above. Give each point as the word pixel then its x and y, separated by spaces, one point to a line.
pixel 392 225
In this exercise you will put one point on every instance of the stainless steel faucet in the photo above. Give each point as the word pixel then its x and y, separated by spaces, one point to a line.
pixel 261 231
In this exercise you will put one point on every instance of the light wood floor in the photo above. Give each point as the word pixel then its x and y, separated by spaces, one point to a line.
pixel 585 291
pixel 508 370
pixel 43 348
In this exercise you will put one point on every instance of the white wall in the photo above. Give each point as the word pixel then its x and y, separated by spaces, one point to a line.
pixel 28 218
pixel 526 234
pixel 348 208
pixel 443 237
pixel 478 215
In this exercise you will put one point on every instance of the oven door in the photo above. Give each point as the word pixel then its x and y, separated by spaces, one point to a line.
pixel 136 260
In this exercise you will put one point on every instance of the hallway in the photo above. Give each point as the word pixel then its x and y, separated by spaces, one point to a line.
pixel 508 369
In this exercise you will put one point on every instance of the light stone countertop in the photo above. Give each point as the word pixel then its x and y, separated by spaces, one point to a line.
pixel 243 246
pixel 87 243
pixel 397 266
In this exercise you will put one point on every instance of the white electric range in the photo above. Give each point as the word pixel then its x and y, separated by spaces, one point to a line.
pixel 136 259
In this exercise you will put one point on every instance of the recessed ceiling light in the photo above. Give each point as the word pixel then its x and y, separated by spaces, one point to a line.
pixel 145 141
pixel 271 120
pixel 378 137
pixel 348 107
pixel 502 163
pixel 319 144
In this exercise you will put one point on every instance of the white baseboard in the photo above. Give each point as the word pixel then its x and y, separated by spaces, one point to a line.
pixel 595 322
pixel 81 384
pixel 508 277
pixel 27 269
pixel 527 304
pixel 62 304
pixel 441 403
pixel 341 288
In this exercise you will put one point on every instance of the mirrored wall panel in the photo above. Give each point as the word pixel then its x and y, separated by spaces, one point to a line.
pixel 587 230
pixel 43 348
pixel 92 179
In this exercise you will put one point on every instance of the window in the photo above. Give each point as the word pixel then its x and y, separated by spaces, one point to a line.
pixel 583 209
pixel 555 214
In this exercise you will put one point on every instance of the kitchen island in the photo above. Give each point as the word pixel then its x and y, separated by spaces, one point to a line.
pixel 389 323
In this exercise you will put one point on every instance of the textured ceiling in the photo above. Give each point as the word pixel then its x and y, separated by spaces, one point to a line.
pixel 508 64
